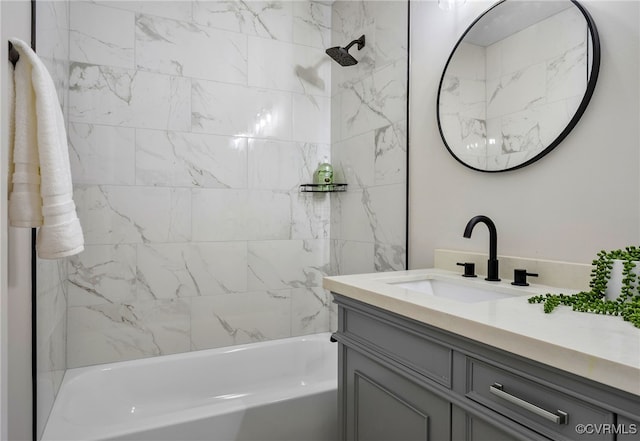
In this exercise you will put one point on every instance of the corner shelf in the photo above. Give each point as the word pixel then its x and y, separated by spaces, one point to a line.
pixel 322 188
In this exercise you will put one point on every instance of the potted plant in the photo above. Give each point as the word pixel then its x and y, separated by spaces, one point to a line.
pixel 623 299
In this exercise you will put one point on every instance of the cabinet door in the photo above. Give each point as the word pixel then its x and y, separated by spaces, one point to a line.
pixel 627 429
pixel 384 405
pixel 467 427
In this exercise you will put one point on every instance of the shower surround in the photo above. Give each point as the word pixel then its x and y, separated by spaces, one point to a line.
pixel 190 133
pixel 191 126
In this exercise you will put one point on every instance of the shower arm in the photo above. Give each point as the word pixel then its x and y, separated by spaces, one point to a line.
pixel 360 42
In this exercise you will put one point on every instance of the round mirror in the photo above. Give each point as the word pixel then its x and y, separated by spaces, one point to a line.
pixel 517 82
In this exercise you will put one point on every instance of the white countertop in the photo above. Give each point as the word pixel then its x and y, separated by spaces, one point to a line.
pixel 605 349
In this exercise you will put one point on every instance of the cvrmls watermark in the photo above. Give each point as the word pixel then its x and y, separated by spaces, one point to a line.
pixel 605 428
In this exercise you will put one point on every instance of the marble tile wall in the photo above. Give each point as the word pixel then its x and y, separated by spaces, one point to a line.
pixel 554 74
pixel 463 104
pixel 368 145
pixel 52 39
pixel 192 125
pixel 506 102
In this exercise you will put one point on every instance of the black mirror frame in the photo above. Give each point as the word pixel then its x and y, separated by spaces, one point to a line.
pixel 591 84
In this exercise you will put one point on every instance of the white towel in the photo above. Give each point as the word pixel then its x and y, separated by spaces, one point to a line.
pixel 42 193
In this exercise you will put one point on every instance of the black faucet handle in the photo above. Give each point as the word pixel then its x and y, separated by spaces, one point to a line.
pixel 469 269
pixel 520 277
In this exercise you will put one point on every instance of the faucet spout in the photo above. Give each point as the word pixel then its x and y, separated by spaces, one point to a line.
pixel 492 263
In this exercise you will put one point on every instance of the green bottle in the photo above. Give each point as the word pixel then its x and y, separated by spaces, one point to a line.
pixel 324 176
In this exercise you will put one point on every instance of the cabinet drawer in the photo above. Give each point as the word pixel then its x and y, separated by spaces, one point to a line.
pixel 423 355
pixel 540 407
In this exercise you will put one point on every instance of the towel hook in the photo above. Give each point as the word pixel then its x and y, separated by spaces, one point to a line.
pixel 14 56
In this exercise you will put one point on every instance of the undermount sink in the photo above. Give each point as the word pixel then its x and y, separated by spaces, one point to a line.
pixel 459 292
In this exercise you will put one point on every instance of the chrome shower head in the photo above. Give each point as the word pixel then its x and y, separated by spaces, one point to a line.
pixel 342 55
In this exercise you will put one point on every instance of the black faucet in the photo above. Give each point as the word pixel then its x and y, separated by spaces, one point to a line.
pixel 492 263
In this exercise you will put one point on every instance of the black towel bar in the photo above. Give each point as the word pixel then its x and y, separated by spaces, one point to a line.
pixel 14 56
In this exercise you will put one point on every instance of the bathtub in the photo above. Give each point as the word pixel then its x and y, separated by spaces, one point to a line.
pixel 276 390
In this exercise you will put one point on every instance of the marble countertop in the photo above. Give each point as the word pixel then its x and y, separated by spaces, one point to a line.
pixel 605 349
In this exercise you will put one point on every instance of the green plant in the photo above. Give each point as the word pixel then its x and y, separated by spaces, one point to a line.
pixel 627 305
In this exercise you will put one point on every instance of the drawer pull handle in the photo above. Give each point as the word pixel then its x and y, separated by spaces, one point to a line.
pixel 559 418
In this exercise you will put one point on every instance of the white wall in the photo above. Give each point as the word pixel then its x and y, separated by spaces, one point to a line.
pixel 580 198
pixel 15 261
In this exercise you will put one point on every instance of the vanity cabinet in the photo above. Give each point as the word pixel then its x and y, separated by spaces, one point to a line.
pixel 400 379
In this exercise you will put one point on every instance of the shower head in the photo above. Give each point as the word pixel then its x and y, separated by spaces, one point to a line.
pixel 342 55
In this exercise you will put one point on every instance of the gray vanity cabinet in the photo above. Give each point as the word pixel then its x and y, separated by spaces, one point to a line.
pixel 404 380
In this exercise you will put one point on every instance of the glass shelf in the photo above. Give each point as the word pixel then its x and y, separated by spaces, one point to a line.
pixel 322 188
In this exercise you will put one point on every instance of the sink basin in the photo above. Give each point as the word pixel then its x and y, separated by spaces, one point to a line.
pixel 454 291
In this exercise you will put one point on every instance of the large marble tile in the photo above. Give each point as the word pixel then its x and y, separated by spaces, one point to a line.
pixel 312 23
pixel 386 208
pixel 182 48
pixel 310 308
pixel 102 274
pixel 267 19
pixel 283 66
pixel 358 220
pixel 220 215
pixel 283 165
pixel 101 35
pixel 310 215
pixel 375 101
pixel 101 154
pixel 567 74
pixel 517 91
pixel 390 257
pixel 112 214
pixel 352 257
pixel 311 118
pixel 122 97
pixel 354 160
pixel 167 271
pixel 374 214
pixel 391 154
pixel 175 9
pixel 389 40
pixel 282 264
pixel 180 159
pixel 232 319
pixel 255 112
pixel 117 332
pixel 269 215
